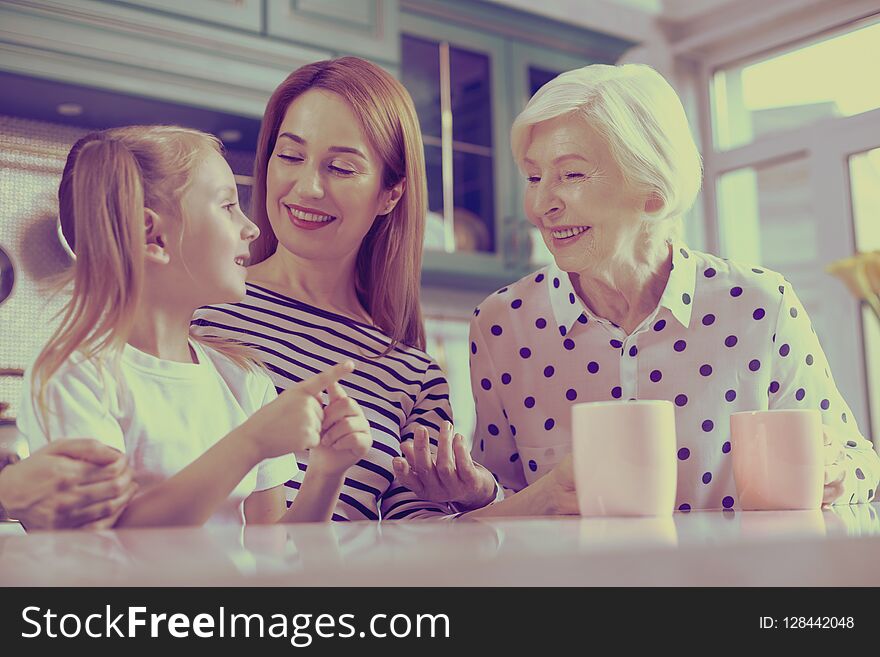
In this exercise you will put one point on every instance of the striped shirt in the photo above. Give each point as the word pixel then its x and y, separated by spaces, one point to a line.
pixel 396 391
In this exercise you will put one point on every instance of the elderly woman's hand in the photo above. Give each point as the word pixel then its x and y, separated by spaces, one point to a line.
pixel 835 465
pixel 451 477
pixel 73 483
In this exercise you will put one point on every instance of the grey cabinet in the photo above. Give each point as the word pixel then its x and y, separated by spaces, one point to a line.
pixel 367 28
pixel 241 14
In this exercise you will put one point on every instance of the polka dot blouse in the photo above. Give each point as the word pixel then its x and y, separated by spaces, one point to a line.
pixel 724 338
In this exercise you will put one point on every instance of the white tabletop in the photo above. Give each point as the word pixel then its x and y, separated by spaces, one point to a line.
pixel 831 547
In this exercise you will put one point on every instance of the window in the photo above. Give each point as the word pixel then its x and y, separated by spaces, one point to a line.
pixel 824 78
pixel 451 88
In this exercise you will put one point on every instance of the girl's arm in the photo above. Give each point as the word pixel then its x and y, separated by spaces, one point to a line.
pixel 192 495
pixel 315 501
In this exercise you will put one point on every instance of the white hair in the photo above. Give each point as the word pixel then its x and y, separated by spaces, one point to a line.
pixel 642 120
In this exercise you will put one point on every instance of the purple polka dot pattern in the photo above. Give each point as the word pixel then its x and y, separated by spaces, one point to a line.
pixel 719 342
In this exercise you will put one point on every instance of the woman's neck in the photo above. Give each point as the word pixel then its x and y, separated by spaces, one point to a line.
pixel 628 288
pixel 322 283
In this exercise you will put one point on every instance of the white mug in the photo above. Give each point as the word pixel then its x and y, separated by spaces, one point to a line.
pixel 625 457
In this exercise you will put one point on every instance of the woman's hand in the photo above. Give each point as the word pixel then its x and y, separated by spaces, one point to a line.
pixel 835 464
pixel 451 477
pixel 71 483
pixel 292 422
pixel 345 435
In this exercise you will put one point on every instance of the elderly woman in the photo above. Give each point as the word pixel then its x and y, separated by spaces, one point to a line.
pixel 629 312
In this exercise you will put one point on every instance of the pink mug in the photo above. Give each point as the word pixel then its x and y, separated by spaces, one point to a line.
pixel 778 459
pixel 625 457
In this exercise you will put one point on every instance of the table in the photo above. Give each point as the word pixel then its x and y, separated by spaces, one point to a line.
pixel 839 546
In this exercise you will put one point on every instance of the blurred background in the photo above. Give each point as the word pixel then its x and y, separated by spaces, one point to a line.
pixel 783 99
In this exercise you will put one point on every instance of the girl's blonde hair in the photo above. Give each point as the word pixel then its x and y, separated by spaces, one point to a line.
pixel 389 260
pixel 643 122
pixel 108 181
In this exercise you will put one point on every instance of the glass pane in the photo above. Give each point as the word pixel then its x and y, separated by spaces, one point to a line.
pixel 764 215
pixel 420 74
pixel 795 88
pixel 471 96
pixel 474 214
pixel 538 77
pixel 864 171
pixel 434 231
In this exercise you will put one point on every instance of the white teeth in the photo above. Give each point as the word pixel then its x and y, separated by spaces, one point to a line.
pixel 568 232
pixel 240 261
pixel 308 216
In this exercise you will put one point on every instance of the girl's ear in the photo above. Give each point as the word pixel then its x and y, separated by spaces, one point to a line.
pixel 389 199
pixel 155 238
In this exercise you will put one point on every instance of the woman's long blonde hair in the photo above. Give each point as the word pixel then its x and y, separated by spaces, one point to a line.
pixel 389 261
pixel 109 179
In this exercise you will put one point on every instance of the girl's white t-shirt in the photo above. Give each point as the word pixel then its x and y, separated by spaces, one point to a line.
pixel 162 414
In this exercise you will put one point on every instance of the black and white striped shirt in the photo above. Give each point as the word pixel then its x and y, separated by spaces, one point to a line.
pixel 396 391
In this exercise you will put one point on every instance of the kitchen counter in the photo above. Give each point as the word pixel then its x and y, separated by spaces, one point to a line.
pixel 828 547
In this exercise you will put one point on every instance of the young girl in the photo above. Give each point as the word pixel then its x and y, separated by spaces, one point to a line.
pixel 158 233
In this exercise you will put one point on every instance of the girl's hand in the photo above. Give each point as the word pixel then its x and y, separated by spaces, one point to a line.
pixel 451 477
pixel 345 435
pixel 292 422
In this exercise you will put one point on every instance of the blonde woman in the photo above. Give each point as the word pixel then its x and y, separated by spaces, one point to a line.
pixel 628 311
pixel 152 214
pixel 339 197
